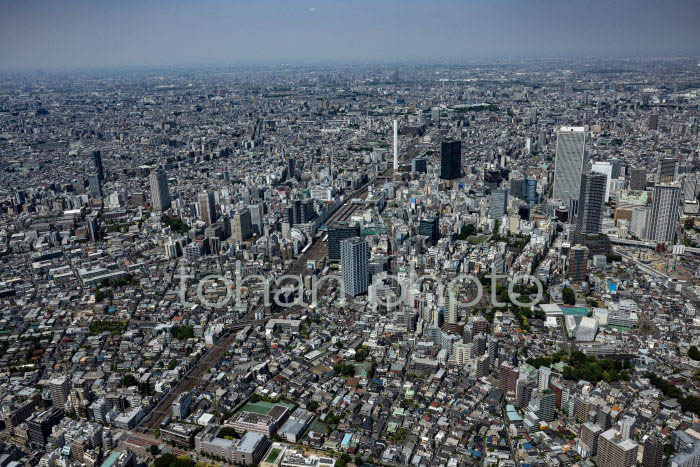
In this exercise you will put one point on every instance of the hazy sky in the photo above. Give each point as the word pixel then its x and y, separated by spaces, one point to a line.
pixel 63 33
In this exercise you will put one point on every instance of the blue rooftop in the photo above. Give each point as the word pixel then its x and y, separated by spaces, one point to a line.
pixel 109 462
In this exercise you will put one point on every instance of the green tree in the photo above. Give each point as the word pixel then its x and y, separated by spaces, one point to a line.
pixel 466 231
pixel 694 353
pixel 569 296
pixel 170 460
pixel 130 380
pixel 182 332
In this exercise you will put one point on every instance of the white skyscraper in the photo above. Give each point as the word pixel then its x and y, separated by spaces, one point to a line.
pixel 396 146
pixel 607 169
pixel 626 427
pixel 160 195
pixel 663 216
pixel 638 227
pixel 569 165
pixel 544 375
pixel 452 311
pixel 354 261
pixel 60 388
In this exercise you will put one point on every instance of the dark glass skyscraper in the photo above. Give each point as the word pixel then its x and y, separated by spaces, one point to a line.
pixel 451 160
pixel 430 227
pixel 160 195
pixel 638 178
pixel 95 185
pixel 291 167
pixel 667 170
pixel 97 160
pixel 517 188
pixel 531 190
pixel 338 232
pixel 590 203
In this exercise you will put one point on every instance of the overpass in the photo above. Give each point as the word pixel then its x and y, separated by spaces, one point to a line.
pixel 678 249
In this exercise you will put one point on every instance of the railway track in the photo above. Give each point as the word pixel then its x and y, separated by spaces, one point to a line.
pixel 193 377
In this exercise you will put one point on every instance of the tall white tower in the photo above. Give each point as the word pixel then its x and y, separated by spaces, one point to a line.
pixel 569 165
pixel 396 146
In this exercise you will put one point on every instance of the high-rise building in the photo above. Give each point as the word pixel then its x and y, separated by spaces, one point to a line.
pixel 523 391
pixel 451 160
pixel 40 424
pixel 396 146
pixel 544 376
pixel 304 211
pixel 653 122
pixel 543 404
pixel 691 187
pixel 291 167
pixel 240 225
pixel 507 377
pixel 256 219
pixel 638 179
pixel 60 389
pixel 160 195
pixel 95 185
pixel 603 418
pixel 97 162
pixel 338 232
pixel 419 165
pixel 687 450
pixel 616 168
pixel 590 432
pixel 482 366
pixel 207 207
pixel 493 350
pixel 615 449
pixel 172 249
pixel 667 170
pixel 578 263
pixel 354 261
pixel 590 204
pixel 524 212
pixel 569 164
pixel 93 228
pixel 194 251
pixel 452 311
pixel 479 325
pixel 430 227
pixel 638 226
pixel 531 190
pixel 517 188
pixel 627 426
pixel 462 353
pixel 653 452
pixel 498 204
pixel 664 213
pixel 479 344
pixel 605 168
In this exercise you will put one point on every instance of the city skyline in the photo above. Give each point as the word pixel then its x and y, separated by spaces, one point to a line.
pixel 348 234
